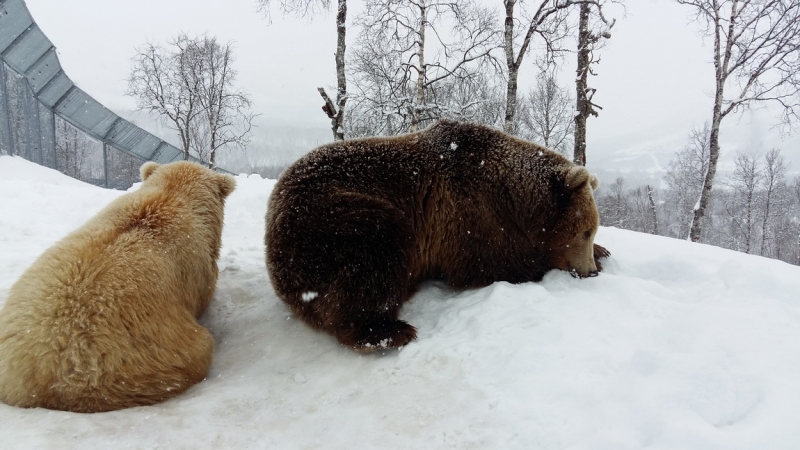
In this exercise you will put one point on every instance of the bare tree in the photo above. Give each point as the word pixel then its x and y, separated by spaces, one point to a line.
pixel 613 205
pixel 406 54
pixel 162 83
pixel 591 35
pixel 225 120
pixel 745 180
pixel 796 191
pixel 773 175
pixel 310 8
pixel 653 209
pixel 548 21
pixel 756 59
pixel 547 114
pixel 684 177
pixel 545 19
pixel 190 87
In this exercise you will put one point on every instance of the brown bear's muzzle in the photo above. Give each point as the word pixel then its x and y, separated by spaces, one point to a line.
pixel 590 274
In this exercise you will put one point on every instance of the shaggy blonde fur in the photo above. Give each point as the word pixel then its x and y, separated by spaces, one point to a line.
pixel 107 317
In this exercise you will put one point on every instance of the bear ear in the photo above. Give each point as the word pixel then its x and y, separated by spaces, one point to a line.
pixel 594 182
pixel 226 185
pixel 147 169
pixel 577 177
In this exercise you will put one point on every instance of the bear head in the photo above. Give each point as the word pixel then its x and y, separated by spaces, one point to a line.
pixel 577 221
pixel 184 174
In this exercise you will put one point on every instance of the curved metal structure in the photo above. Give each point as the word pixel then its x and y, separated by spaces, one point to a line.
pixel 26 50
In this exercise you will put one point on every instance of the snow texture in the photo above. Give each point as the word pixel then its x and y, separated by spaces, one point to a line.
pixel 674 346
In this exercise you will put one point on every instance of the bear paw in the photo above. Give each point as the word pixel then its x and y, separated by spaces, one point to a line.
pixel 372 336
pixel 600 252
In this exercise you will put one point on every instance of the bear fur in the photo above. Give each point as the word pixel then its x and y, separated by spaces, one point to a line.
pixel 354 226
pixel 106 318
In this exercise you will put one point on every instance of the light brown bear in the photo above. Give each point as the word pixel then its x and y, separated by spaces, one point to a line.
pixel 107 317
pixel 354 227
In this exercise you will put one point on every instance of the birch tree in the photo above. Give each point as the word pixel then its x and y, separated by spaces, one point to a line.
pixel 745 180
pixel 547 114
pixel 190 87
pixel 756 56
pixel 591 35
pixel 225 120
pixel 161 82
pixel 773 177
pixel 613 205
pixel 407 50
pixel 684 178
pixel 310 8
pixel 545 20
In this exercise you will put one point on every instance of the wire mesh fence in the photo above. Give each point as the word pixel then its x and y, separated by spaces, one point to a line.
pixel 46 119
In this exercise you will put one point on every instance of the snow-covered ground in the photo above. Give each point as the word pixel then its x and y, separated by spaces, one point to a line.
pixel 675 346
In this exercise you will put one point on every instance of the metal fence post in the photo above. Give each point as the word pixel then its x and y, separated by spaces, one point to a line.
pixel 37 120
pixel 105 164
pixel 9 139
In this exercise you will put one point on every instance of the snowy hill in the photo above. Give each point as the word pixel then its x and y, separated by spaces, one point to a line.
pixel 675 346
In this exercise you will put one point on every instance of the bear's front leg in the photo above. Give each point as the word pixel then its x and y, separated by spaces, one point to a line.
pixel 600 252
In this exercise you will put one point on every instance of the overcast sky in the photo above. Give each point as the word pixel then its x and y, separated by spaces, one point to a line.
pixel 654 82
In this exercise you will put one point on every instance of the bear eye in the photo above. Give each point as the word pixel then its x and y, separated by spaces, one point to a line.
pixel 587 234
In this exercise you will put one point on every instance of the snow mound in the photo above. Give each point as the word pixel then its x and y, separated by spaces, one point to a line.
pixel 676 345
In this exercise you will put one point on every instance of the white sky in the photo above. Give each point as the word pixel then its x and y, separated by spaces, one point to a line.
pixel 654 82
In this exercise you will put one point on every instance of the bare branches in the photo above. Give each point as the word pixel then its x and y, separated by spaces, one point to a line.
pixel 191 88
pixel 409 51
pixel 685 176
pixel 591 36
pixel 546 116
pixel 756 60
pixel 547 21
pixel 300 8
pixel 309 9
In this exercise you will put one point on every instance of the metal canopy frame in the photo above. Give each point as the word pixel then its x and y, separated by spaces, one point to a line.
pixel 26 50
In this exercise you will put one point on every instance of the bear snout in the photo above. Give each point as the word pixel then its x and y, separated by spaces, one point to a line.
pixel 589 274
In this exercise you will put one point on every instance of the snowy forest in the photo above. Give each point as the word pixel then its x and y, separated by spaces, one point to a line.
pixel 400 65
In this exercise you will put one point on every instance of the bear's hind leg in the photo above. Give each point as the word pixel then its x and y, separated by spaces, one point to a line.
pixel 367 279
pixel 375 334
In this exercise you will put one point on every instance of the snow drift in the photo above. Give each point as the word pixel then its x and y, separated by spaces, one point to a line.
pixel 675 345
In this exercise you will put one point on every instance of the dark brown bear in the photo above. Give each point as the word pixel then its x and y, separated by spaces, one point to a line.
pixel 354 227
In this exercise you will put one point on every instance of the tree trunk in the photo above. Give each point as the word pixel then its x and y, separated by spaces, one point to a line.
pixel 652 208
pixel 582 105
pixel 748 235
pixel 341 80
pixel 513 69
pixel 186 139
pixel 765 224
pixel 511 100
pixel 336 111
pixel 721 61
pixel 700 207
pixel 420 94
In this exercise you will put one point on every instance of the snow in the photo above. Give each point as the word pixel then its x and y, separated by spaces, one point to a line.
pixel 308 296
pixel 674 346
